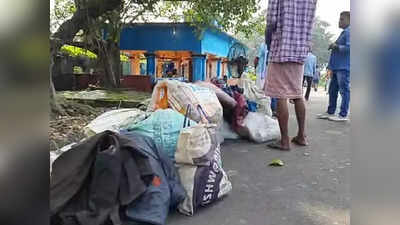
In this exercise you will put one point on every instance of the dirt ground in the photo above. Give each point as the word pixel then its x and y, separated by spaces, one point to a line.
pixel 66 129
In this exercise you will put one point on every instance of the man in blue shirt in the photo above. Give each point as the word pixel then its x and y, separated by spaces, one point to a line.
pixel 310 69
pixel 339 64
pixel 260 63
pixel 316 78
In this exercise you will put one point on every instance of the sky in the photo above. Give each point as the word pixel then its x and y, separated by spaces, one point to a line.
pixel 327 10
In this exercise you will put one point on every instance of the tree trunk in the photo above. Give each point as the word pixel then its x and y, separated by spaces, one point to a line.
pixel 87 10
pixel 54 106
pixel 116 62
pixel 109 58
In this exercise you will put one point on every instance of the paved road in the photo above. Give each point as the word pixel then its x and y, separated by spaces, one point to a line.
pixel 311 189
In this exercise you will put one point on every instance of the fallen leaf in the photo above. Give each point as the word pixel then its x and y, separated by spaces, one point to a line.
pixel 276 162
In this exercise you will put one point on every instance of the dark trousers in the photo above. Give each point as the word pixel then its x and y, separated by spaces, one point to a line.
pixel 274 102
pixel 340 83
pixel 309 83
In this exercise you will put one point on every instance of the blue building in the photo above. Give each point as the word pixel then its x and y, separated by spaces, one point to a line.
pixel 164 48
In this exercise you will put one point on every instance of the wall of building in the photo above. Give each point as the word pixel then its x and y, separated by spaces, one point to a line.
pixel 211 68
pixel 216 43
pixel 169 40
pixel 159 37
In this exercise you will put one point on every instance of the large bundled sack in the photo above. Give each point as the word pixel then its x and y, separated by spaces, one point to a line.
pixel 220 83
pixel 227 102
pixel 254 94
pixel 90 181
pixel 240 112
pixel 220 137
pixel 196 144
pixel 163 126
pixel 177 95
pixel 259 128
pixel 264 106
pixel 250 90
pixel 113 120
pixel 55 154
pixel 113 179
pixel 166 190
pixel 227 132
pixel 203 184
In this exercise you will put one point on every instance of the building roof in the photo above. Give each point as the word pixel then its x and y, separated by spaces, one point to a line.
pixel 214 29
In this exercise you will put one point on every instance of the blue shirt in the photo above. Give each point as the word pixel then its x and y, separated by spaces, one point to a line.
pixel 310 65
pixel 340 58
pixel 262 60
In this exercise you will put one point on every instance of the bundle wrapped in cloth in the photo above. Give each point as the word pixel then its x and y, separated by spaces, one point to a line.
pixel 177 95
pixel 199 164
pixel 197 143
pixel 163 126
pixel 114 120
pixel 203 184
pixel 254 94
pixel 259 128
pixel 227 102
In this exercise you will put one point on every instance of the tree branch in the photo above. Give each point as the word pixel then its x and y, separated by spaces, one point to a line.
pixel 81 18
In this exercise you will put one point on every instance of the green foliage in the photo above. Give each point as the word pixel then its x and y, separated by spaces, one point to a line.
pixel 77 51
pixel 227 15
pixel 62 10
pixel 130 11
pixel 253 35
pixel 78 69
pixel 254 27
pixel 124 58
pixel 321 39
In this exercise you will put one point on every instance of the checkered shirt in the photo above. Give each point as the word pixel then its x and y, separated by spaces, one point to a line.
pixel 293 20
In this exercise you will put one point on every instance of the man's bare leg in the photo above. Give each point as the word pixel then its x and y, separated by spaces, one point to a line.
pixel 283 119
pixel 300 109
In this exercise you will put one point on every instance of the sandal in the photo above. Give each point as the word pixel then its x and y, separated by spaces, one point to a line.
pixel 297 142
pixel 277 145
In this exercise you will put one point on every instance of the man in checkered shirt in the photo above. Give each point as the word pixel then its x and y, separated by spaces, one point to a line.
pixel 288 36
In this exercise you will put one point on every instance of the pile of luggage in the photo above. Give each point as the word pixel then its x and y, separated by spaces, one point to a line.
pixel 136 166
pixel 246 109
